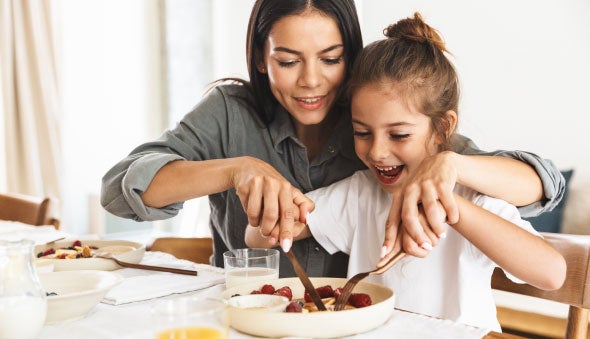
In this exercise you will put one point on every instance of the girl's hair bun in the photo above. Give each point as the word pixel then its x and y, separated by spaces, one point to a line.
pixel 415 29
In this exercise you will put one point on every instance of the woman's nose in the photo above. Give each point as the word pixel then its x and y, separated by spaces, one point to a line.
pixel 310 75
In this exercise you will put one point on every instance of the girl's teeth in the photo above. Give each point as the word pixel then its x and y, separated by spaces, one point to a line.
pixel 310 101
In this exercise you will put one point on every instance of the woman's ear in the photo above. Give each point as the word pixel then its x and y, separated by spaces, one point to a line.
pixel 261 67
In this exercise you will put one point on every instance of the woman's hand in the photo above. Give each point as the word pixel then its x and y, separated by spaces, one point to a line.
pixel 423 205
pixel 269 199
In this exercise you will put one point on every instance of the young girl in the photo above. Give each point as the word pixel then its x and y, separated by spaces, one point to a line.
pixel 405 96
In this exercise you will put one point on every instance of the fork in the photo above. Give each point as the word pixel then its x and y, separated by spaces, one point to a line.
pixel 352 282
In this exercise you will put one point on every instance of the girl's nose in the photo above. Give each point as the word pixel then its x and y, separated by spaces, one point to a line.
pixel 310 75
pixel 378 150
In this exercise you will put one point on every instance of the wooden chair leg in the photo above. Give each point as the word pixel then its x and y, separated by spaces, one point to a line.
pixel 577 324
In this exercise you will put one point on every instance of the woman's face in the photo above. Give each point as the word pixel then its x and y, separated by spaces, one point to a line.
pixel 303 58
pixel 390 137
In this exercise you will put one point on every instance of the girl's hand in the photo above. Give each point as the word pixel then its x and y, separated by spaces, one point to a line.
pixel 268 199
pixel 417 206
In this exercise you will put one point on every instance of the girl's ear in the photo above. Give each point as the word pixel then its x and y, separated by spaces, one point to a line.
pixel 446 127
pixel 451 117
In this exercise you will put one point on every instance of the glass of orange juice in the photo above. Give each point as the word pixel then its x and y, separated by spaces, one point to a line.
pixel 190 318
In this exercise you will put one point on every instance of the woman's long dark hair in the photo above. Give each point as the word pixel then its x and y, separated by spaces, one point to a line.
pixel 266 12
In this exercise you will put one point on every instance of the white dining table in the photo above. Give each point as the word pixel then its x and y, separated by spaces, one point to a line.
pixel 133 319
pixel 125 312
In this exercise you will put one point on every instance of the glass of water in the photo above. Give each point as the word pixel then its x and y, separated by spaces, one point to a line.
pixel 250 264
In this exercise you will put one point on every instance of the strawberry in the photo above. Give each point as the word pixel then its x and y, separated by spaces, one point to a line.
pixel 325 291
pixel 360 300
pixel 294 307
pixel 285 291
pixel 267 289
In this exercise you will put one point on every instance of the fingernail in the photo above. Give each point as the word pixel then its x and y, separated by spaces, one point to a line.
pixel 286 245
pixel 383 251
pixel 427 246
pixel 442 235
pixel 307 217
pixel 272 240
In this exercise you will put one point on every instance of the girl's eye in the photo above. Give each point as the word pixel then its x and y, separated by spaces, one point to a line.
pixel 361 135
pixel 399 136
pixel 287 63
pixel 332 61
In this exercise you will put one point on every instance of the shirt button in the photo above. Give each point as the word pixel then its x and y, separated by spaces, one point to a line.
pixel 317 248
pixel 331 149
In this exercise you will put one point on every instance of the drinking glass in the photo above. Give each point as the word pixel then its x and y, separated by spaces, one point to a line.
pixel 190 318
pixel 23 305
pixel 250 264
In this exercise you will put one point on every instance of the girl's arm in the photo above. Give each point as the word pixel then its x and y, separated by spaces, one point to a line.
pixel 524 255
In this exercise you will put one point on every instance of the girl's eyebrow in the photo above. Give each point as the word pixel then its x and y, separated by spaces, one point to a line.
pixel 292 51
pixel 393 124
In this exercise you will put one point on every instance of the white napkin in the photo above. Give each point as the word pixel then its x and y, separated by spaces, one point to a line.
pixel 140 285
pixel 14 231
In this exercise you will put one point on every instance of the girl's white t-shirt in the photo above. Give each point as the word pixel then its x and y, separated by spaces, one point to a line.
pixel 452 282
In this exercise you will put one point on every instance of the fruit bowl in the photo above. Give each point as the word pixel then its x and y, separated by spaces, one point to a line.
pixel 327 324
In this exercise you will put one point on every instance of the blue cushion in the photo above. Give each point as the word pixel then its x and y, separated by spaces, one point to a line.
pixel 551 221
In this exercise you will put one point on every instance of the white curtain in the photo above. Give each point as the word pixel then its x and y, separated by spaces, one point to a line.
pixel 29 99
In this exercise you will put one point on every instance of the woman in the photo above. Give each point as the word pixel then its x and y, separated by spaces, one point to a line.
pixel 251 146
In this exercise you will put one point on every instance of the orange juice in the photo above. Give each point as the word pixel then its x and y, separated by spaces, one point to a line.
pixel 192 333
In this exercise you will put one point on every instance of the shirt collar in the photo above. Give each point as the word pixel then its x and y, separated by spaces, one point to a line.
pixel 341 140
pixel 281 127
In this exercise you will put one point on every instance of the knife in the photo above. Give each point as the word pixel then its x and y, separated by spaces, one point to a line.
pixel 306 282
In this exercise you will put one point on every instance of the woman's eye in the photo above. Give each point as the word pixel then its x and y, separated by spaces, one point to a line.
pixel 399 136
pixel 361 134
pixel 287 63
pixel 333 61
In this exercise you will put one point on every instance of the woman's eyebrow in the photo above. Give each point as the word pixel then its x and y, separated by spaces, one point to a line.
pixel 292 51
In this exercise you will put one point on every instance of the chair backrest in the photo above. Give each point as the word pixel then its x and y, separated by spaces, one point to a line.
pixel 28 209
pixel 198 250
pixel 576 288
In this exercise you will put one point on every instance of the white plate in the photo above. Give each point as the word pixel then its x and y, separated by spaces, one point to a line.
pixel 77 292
pixel 316 324
pixel 124 250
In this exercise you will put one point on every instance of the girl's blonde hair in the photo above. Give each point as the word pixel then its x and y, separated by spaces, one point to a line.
pixel 412 60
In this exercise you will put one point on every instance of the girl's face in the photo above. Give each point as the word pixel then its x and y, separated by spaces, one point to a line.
pixel 303 58
pixel 390 137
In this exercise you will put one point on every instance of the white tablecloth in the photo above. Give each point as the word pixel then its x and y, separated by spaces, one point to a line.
pixel 133 320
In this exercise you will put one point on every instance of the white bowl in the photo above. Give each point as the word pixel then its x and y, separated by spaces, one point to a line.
pixel 127 251
pixel 77 292
pixel 316 324
pixel 262 302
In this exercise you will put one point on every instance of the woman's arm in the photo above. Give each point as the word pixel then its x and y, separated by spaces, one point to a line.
pixel 505 178
pixel 255 239
pixel 526 256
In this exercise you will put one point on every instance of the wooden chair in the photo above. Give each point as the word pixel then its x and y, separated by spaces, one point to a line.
pixel 575 291
pixel 198 250
pixel 28 209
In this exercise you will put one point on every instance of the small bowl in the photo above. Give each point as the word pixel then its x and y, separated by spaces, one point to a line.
pixel 44 265
pixel 263 302
pixel 77 292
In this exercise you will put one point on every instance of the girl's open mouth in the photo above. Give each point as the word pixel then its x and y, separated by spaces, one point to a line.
pixel 389 175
